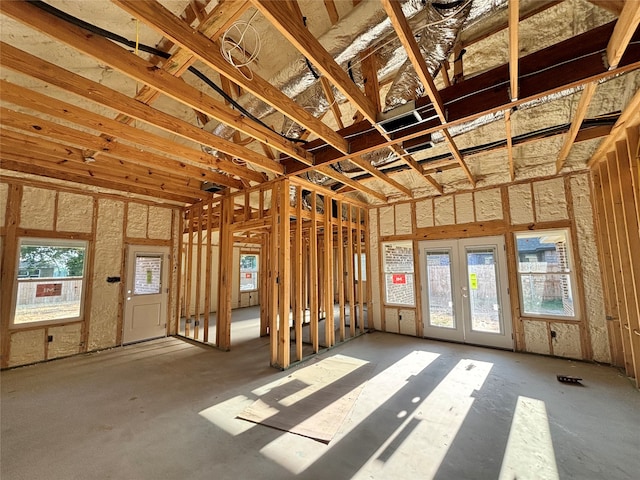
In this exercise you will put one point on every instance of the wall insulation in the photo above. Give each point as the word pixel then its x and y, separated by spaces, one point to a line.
pixel 108 223
pixel 547 203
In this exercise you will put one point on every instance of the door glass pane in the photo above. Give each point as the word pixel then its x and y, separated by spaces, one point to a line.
pixel 147 275
pixel 439 290
pixel 482 289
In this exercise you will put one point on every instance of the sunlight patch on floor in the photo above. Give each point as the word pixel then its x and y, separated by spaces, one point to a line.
pixel 223 415
pixel 529 453
pixel 418 446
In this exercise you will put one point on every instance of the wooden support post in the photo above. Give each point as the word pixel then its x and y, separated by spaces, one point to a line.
pixel 225 275
pixel 367 254
pixel 608 278
pixel 350 271
pixel 359 267
pixel 298 316
pixel 265 291
pixel 313 273
pixel 196 324
pixel 9 259
pixel 341 272
pixel 622 254
pixel 188 275
pixel 207 283
pixel 284 276
pixel 329 328
pixel 273 268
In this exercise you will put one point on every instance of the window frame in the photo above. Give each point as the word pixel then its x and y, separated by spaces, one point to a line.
pixel 53 242
pixel 256 272
pixel 408 272
pixel 570 271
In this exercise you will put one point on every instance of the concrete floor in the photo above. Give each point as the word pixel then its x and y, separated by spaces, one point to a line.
pixel 166 409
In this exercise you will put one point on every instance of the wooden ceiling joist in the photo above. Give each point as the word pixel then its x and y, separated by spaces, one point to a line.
pixel 22 62
pixel 625 28
pixel 293 30
pixel 65 111
pixel 514 19
pixel 408 41
pixel 35 125
pixel 330 5
pixel 137 68
pixel 331 99
pixel 576 123
pixel 330 172
pixel 26 166
pixel 568 64
pixel 162 20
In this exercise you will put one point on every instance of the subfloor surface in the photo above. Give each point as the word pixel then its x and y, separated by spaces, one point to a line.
pixel 166 409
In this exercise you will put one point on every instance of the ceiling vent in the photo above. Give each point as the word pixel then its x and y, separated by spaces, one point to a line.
pixel 399 118
pixel 212 187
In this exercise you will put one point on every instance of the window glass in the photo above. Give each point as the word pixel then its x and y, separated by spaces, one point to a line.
pixel 148 275
pixel 248 272
pixel 545 273
pixel 398 273
pixel 50 280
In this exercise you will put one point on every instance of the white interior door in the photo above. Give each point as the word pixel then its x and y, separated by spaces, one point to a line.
pixel 145 313
pixel 465 291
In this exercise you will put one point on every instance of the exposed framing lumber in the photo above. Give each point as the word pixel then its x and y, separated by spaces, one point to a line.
pixel 333 105
pixel 330 172
pixel 313 268
pixel 188 272
pixel 225 276
pixel 65 111
pixel 294 31
pixel 507 123
pixel 24 63
pixel 111 54
pixel 360 286
pixel 329 328
pixel 576 123
pixel 341 271
pixel 613 6
pixel 625 28
pixel 284 276
pixel 369 68
pixel 207 283
pixel 163 21
pixel 631 113
pixel 514 19
pixel 350 274
pixel 298 247
pixel 394 10
pixel 367 167
pixel 35 125
pixel 330 5
pixel 196 323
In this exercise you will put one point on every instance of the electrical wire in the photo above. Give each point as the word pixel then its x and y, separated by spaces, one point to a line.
pixel 153 51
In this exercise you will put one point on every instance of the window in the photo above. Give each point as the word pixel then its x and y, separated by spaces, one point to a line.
pixel 50 280
pixel 398 273
pixel 248 272
pixel 545 273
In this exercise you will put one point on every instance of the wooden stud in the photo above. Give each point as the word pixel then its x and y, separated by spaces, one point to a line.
pixel 341 272
pixel 359 267
pixel 313 269
pixel 625 28
pixel 274 284
pixel 284 276
pixel 329 325
pixel 196 323
pixel 576 123
pixel 350 274
pixel 367 252
pixel 207 282
pixel 512 168
pixel 188 274
pixel 298 316
pixel 514 19
pixel 225 276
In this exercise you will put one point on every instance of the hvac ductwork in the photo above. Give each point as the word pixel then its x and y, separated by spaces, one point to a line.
pixel 436 25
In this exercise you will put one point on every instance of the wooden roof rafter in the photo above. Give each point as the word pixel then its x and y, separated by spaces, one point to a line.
pixel 137 68
pixel 394 11
pixel 23 62
pixel 65 111
pixel 162 20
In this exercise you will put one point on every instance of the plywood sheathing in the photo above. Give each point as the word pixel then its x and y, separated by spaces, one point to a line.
pixel 38 207
pixel 589 260
pixel 27 347
pixel 75 213
pixel 565 338
pixel 105 304
pixel 66 340
pixel 537 337
pixel 488 205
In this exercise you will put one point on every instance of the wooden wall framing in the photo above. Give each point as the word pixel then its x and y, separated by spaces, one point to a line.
pixel 310 240
pixel 616 188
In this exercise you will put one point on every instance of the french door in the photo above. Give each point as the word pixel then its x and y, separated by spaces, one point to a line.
pixel 465 295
